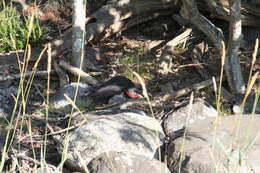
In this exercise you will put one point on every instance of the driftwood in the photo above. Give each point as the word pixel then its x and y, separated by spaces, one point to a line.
pixel 232 66
pixel 76 71
pixel 190 12
pixel 187 90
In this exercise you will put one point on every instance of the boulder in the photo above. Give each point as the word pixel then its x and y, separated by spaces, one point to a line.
pixel 59 104
pixel 175 122
pixel 120 162
pixel 222 144
pixel 129 132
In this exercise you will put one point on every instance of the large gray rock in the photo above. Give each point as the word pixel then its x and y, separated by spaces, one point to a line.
pixel 59 104
pixel 120 162
pixel 174 123
pixel 223 144
pixel 127 131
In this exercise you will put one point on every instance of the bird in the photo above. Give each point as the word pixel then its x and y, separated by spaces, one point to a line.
pixel 118 85
pixel 89 97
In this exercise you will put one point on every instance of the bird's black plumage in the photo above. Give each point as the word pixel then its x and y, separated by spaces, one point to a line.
pixel 112 87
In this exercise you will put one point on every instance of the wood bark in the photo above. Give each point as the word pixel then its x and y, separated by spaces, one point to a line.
pixel 190 12
pixel 78 34
pixel 232 64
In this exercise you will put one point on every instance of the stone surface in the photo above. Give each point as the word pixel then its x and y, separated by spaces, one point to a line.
pixel 59 104
pixel 127 131
pixel 174 123
pixel 223 144
pixel 120 162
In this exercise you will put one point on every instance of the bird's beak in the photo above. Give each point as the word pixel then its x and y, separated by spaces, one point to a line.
pixel 132 93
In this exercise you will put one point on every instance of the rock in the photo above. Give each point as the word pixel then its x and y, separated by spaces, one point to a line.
pixel 174 123
pixel 120 162
pixel 216 145
pixel 126 131
pixel 59 104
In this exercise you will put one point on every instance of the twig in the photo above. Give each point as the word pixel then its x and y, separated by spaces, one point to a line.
pixel 197 86
pixel 76 71
pixel 192 65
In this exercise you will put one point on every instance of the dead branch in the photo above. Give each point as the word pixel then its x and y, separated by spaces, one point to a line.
pixel 232 66
pixel 78 72
pixel 190 12
pixel 187 90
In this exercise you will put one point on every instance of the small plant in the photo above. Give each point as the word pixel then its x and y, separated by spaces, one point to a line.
pixel 14 31
pixel 137 62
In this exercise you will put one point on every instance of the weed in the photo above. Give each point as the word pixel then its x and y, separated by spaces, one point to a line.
pixel 137 62
pixel 12 28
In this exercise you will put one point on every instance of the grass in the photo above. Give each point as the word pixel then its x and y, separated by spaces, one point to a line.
pixel 16 35
pixel 14 30
pixel 137 62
